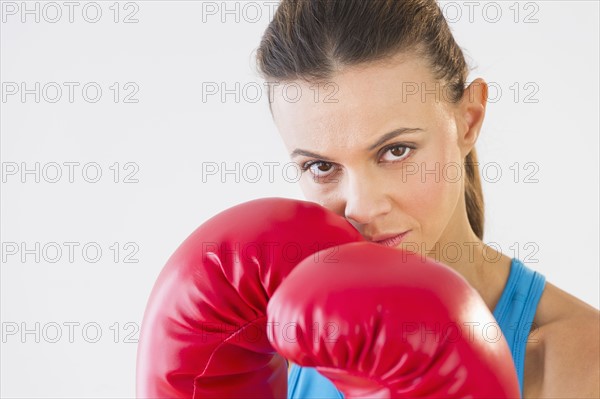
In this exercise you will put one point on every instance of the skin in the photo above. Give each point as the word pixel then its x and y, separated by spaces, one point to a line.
pixel 378 191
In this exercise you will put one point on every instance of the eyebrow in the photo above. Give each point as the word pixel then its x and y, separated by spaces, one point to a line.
pixel 388 136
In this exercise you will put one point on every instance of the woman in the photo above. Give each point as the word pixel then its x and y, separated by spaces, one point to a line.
pixel 385 133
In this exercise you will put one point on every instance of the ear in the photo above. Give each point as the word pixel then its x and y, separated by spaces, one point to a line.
pixel 470 114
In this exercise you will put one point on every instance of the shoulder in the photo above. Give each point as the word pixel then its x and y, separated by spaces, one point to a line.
pixel 568 330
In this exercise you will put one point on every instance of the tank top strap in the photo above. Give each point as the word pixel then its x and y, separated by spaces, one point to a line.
pixel 516 309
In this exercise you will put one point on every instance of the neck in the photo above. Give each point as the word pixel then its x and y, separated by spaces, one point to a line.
pixel 459 247
pixel 484 268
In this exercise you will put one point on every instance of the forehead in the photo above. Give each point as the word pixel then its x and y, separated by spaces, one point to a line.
pixel 356 103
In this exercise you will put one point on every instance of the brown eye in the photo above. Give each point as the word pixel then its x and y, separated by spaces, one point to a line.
pixel 324 167
pixel 318 169
pixel 397 153
pixel 321 169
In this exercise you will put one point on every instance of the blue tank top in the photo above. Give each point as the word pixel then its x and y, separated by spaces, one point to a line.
pixel 514 313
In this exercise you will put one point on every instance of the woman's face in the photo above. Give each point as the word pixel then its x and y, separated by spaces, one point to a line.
pixel 383 151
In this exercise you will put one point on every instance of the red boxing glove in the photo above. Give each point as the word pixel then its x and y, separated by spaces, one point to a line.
pixel 205 325
pixel 383 323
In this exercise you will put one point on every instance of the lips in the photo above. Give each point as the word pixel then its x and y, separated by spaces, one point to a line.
pixel 391 240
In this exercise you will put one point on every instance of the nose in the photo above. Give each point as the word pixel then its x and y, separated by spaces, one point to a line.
pixel 365 200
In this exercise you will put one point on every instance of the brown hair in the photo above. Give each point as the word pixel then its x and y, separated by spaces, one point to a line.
pixel 312 39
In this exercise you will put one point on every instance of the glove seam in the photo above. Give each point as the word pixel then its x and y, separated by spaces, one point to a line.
pixel 226 340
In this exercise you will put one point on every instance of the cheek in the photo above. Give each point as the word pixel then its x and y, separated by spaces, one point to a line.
pixel 430 196
pixel 311 190
pixel 329 197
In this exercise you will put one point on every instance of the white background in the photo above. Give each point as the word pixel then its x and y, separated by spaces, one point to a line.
pixel 170 133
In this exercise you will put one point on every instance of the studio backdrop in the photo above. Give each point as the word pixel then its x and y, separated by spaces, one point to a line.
pixel 126 124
